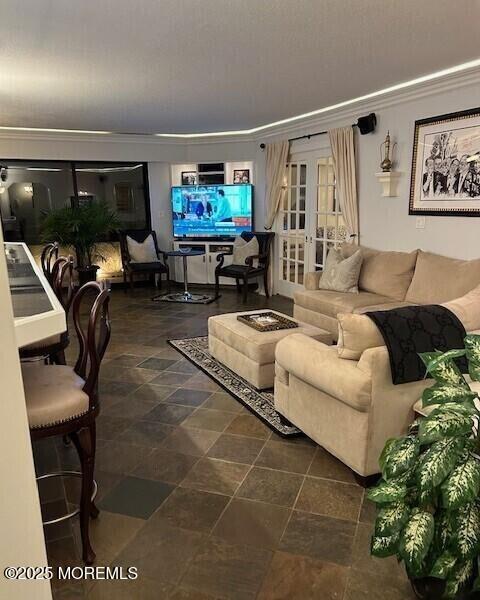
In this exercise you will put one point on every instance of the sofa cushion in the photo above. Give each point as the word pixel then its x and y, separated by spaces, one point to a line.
pixel 440 279
pixel 467 309
pixel 341 274
pixel 331 303
pixel 384 306
pixel 384 272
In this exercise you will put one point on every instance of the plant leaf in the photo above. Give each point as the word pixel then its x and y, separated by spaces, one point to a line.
pixel 390 519
pixel 448 420
pixel 386 451
pixel 472 346
pixel 438 461
pixel 442 368
pixel 443 565
pixel 401 457
pixel 415 540
pixel 384 546
pixel 466 528
pixel 462 485
pixel 387 491
pixel 458 579
pixel 446 392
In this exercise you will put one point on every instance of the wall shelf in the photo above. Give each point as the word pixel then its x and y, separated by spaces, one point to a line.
pixel 389 181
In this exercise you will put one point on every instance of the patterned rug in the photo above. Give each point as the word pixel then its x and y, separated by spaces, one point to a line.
pixel 259 402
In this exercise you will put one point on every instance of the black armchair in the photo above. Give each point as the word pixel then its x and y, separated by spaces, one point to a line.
pixel 149 268
pixel 248 271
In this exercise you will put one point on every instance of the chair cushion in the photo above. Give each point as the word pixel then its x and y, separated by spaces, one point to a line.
pixel 243 249
pixel 155 265
pixel 53 394
pixel 239 270
pixel 331 303
pixel 341 274
pixel 385 273
pixel 142 252
pixel 440 279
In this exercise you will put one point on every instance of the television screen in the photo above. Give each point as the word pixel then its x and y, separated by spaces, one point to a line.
pixel 209 211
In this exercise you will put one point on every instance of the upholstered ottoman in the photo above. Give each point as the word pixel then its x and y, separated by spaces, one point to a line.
pixel 251 353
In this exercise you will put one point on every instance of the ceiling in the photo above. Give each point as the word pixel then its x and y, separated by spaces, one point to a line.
pixel 190 66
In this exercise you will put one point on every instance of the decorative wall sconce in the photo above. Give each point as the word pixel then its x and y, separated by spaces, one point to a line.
pixel 28 189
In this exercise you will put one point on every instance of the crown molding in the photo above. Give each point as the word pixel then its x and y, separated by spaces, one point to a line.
pixel 447 82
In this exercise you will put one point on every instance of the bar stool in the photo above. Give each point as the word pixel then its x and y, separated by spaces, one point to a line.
pixel 53 347
pixel 49 253
pixel 63 401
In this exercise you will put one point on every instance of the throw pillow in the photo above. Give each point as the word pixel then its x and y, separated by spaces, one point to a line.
pixel 142 252
pixel 341 274
pixel 243 249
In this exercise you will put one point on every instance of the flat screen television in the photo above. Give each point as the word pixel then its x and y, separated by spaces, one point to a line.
pixel 212 211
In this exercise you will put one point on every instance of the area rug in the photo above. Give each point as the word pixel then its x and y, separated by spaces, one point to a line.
pixel 259 402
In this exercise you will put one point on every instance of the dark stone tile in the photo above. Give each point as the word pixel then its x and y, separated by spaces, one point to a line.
pixel 286 457
pixel 152 393
pixel 226 570
pixel 364 561
pixel 222 401
pixel 192 509
pixel 200 381
pixel 169 413
pixel 250 426
pixel 236 448
pixel 119 457
pixel 369 586
pixel 156 364
pixel 330 498
pixel 53 510
pixel 187 397
pixel 126 360
pixel 327 466
pixel 273 487
pixel 170 378
pixel 115 388
pixel 292 577
pixel 183 366
pixel 136 497
pixel 215 476
pixel 190 441
pixel 130 407
pixel 164 465
pixel 142 588
pixel 213 420
pixel 161 552
pixel 319 537
pixel 146 433
pixel 126 374
pixel 109 428
pixel 190 594
pixel 368 512
pixel 253 523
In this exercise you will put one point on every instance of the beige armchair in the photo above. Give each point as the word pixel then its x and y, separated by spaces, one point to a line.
pixel 349 407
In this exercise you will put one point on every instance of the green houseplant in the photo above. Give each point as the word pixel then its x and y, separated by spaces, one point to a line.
pixel 428 506
pixel 82 229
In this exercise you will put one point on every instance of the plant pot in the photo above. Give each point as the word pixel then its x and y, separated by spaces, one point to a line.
pixel 86 274
pixel 429 588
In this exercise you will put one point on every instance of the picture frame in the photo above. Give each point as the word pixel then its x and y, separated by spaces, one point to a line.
pixel 445 177
pixel 124 197
pixel 241 176
pixel 189 178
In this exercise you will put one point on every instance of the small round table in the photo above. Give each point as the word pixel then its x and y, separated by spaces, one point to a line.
pixel 185 296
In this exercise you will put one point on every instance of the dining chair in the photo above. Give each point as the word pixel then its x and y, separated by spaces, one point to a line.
pixel 53 347
pixel 62 400
pixel 49 254
pixel 131 268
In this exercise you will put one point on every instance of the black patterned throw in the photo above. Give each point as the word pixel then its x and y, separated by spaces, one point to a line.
pixel 409 330
pixel 258 402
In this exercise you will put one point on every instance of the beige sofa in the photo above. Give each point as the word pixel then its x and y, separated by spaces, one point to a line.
pixel 343 396
pixel 387 279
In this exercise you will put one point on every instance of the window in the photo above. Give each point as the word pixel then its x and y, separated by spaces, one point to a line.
pixel 30 189
pixel 329 228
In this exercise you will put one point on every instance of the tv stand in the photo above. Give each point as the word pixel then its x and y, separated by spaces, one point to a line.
pixel 201 269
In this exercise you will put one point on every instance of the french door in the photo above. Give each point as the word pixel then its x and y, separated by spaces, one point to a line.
pixel 309 221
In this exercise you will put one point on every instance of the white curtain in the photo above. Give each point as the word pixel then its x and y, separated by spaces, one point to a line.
pixel 343 153
pixel 276 163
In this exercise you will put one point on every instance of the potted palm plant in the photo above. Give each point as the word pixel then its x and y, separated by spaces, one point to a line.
pixel 82 229
pixel 428 505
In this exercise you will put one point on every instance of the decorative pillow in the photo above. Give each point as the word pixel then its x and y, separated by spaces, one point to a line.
pixel 341 274
pixel 243 249
pixel 143 252
pixel 357 333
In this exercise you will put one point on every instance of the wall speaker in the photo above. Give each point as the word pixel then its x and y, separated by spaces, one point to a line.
pixel 367 124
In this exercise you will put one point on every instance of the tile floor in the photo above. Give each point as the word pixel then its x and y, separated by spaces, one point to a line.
pixel 197 493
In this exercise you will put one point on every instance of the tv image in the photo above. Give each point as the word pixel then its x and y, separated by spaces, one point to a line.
pixel 212 211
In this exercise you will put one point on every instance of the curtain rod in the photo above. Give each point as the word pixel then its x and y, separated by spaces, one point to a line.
pixel 365 124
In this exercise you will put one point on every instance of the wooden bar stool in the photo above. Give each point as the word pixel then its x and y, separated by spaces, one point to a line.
pixel 53 347
pixel 63 401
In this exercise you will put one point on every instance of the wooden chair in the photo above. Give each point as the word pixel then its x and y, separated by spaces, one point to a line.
pixel 63 401
pixel 49 253
pixel 53 347
pixel 248 271
pixel 150 268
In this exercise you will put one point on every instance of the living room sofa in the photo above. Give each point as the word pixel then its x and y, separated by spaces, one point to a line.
pixel 387 280
pixel 342 396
